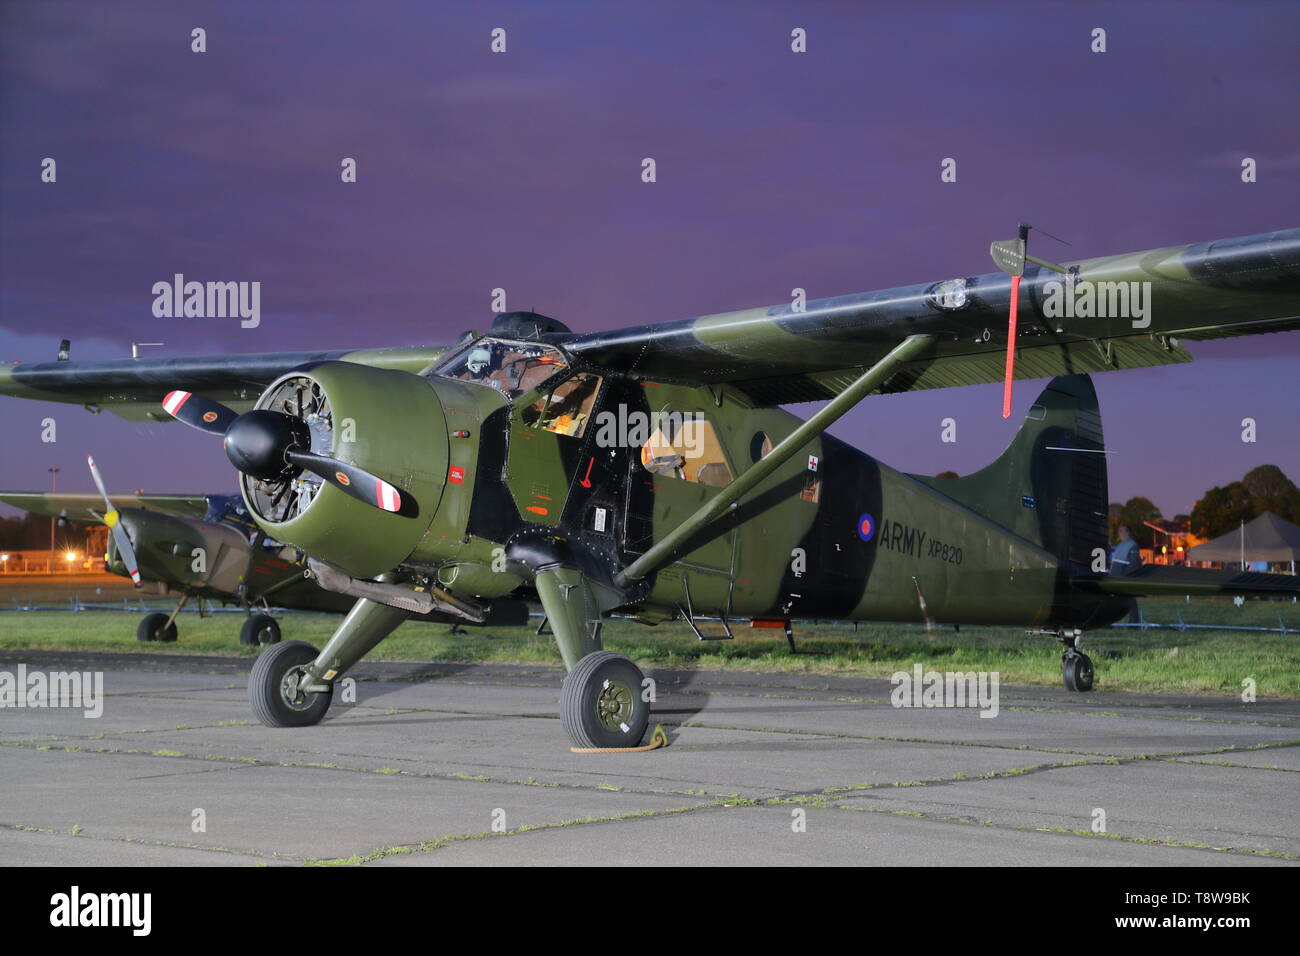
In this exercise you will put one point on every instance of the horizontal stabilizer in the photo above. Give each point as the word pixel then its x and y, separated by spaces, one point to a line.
pixel 1153 580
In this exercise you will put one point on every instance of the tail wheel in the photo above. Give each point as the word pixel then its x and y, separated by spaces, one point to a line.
pixel 258 630
pixel 601 703
pixel 275 689
pixel 1076 668
pixel 154 627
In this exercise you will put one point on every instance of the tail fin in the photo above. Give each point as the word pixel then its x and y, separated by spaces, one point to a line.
pixel 1049 486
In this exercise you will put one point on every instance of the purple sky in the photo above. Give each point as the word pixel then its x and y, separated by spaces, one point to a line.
pixel 521 170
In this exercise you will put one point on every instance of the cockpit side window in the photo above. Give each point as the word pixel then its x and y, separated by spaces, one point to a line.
pixel 567 408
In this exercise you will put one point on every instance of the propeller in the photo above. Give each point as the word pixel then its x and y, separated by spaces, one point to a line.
pixel 274 447
pixel 111 519
pixel 199 412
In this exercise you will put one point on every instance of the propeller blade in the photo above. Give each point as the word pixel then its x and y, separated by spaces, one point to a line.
pixel 111 518
pixel 99 483
pixel 357 482
pixel 124 548
pixel 199 412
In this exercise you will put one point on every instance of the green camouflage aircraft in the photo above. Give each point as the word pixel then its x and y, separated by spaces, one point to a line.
pixel 202 548
pixel 649 472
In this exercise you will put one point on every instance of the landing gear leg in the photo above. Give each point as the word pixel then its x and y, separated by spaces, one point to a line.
pixel 291 685
pixel 601 704
pixel 1076 666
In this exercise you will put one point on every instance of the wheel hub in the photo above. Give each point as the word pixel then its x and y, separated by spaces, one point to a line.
pixel 614 705
pixel 291 689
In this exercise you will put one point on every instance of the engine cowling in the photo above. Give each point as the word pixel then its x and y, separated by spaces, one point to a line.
pixel 391 424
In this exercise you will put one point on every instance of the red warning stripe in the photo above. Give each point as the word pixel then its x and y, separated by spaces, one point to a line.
pixel 387 496
pixel 174 400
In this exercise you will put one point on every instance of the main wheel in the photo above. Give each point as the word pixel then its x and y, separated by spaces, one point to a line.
pixel 601 703
pixel 154 627
pixel 273 687
pixel 1076 668
pixel 260 629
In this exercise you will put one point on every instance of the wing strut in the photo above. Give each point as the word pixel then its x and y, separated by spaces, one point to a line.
pixel 661 553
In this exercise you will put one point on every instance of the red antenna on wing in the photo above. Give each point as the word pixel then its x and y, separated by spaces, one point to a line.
pixel 1010 256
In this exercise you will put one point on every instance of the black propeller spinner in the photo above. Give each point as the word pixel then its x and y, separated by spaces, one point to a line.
pixel 275 446
pixel 259 443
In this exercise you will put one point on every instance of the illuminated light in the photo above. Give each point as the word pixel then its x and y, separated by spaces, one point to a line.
pixel 4 557
pixel 949 295
pixel 70 556
pixel 535 509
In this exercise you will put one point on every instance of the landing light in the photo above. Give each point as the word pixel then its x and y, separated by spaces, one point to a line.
pixel 950 294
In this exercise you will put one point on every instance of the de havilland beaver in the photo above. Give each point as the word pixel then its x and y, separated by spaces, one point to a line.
pixel 649 471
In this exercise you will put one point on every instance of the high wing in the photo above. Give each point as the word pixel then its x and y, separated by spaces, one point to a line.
pixel 89 508
pixel 779 355
pixel 784 354
pixel 135 388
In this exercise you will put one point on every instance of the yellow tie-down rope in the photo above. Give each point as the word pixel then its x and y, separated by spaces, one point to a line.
pixel 657 739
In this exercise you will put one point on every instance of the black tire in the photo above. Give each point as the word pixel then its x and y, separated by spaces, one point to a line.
pixel 601 703
pixel 1076 668
pixel 267 690
pixel 258 630
pixel 151 628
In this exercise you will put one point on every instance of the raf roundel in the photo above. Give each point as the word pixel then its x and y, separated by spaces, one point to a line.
pixel 866 527
pixel 209 416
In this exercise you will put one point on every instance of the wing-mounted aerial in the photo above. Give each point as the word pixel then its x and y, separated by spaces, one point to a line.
pixel 135 388
pixel 1113 312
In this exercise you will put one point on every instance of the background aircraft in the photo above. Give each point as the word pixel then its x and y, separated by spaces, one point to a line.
pixel 648 472
pixel 201 548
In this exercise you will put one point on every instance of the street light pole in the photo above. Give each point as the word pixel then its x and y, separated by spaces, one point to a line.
pixel 54 476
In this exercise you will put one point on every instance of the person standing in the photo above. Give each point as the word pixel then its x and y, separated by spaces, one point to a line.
pixel 1126 559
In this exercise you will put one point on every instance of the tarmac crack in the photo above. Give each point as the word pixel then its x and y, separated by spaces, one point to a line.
pixel 82 834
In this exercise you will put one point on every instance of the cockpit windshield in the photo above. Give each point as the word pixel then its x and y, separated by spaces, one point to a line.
pixel 512 368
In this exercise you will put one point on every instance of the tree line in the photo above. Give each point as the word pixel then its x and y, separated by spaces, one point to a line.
pixel 1220 510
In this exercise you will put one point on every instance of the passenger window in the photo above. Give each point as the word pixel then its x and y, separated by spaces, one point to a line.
pixel 812 487
pixel 687 447
pixel 567 409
